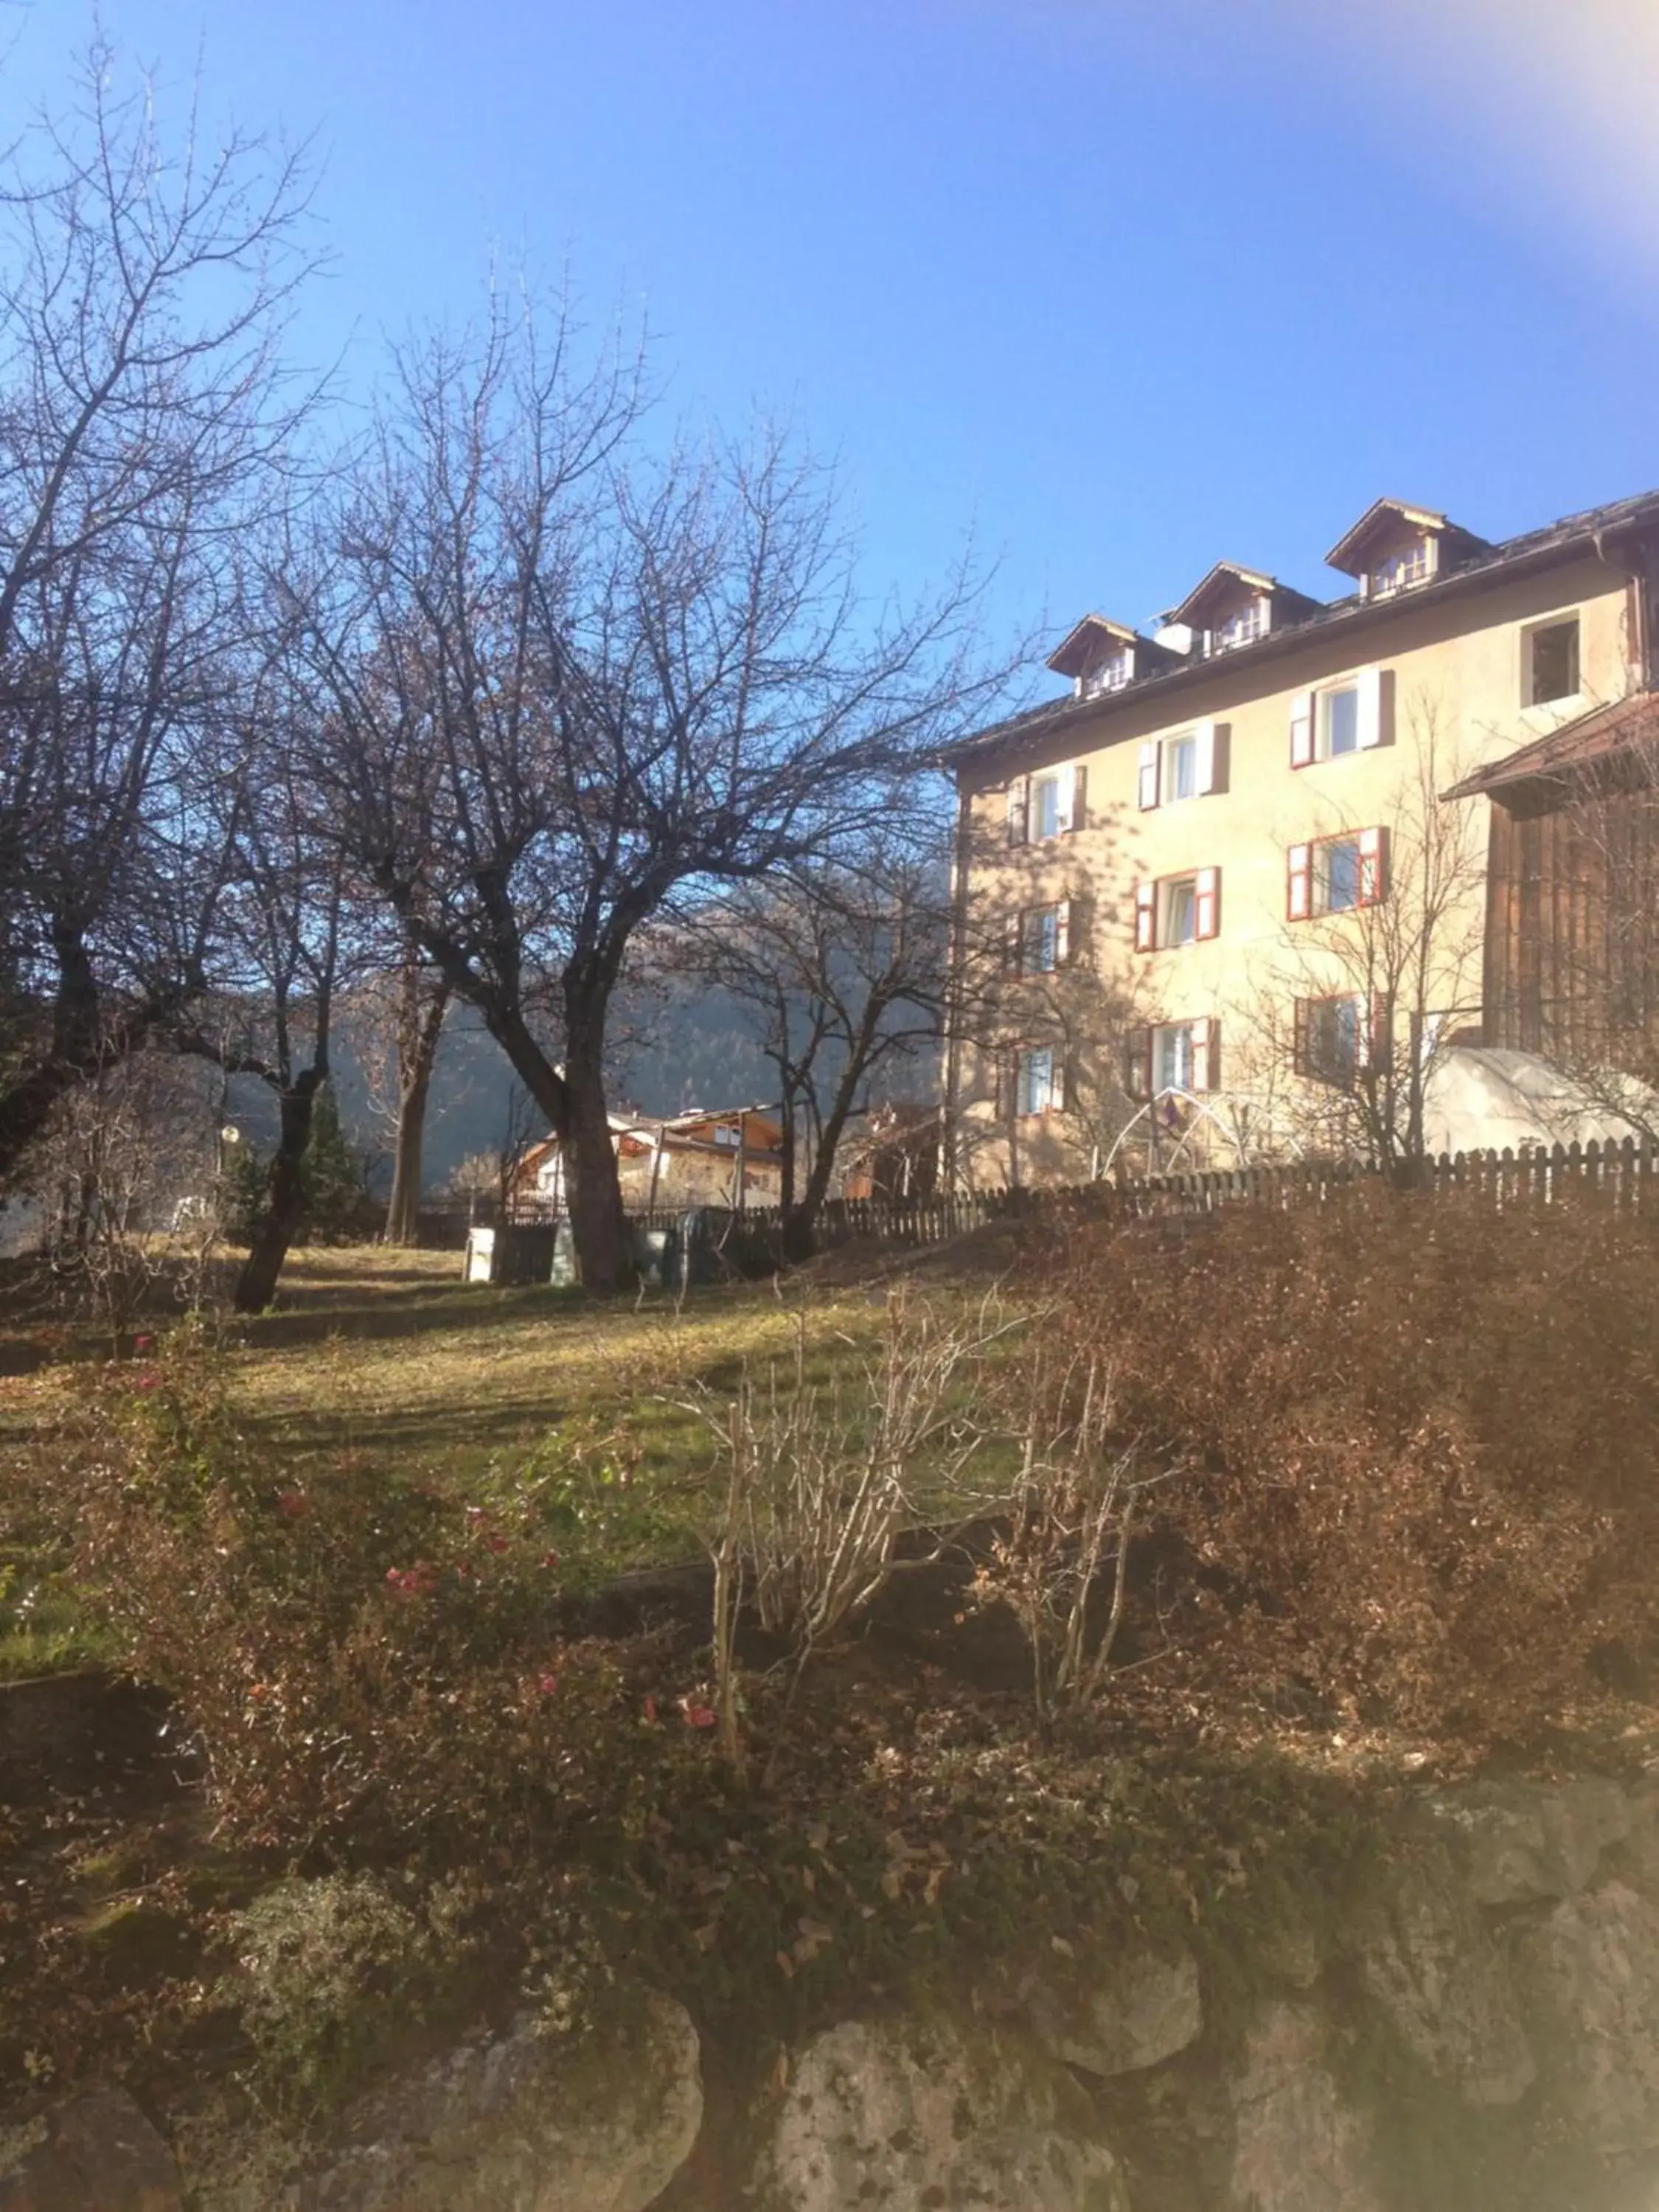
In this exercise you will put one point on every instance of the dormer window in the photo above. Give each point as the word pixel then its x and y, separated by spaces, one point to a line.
pixel 1101 657
pixel 1398 572
pixel 1235 606
pixel 1242 627
pixel 1393 548
pixel 1110 673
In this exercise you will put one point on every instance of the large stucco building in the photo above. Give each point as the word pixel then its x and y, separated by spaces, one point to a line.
pixel 1176 884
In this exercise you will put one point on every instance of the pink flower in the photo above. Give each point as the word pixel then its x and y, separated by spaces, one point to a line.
pixel 413 1582
pixel 698 1716
pixel 143 1343
pixel 547 1684
pixel 651 1711
pixel 495 1543
pixel 293 1506
pixel 549 1558
pixel 150 1381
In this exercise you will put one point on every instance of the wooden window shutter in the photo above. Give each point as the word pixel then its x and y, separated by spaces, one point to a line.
pixel 1301 729
pixel 1062 933
pixel 1375 706
pixel 1207 1055
pixel 1019 801
pixel 1138 1064
pixel 1149 775
pixel 1079 797
pixel 1377 1040
pixel 1298 890
pixel 1373 866
pixel 1145 917
pixel 1211 744
pixel 1206 903
pixel 1301 1027
pixel 1074 923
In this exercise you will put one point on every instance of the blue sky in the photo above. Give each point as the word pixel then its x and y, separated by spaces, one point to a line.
pixel 1123 289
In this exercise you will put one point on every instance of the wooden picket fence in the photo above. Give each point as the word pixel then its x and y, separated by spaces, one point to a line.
pixel 1625 1176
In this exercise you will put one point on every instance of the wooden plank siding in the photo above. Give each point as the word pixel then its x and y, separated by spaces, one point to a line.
pixel 1571 953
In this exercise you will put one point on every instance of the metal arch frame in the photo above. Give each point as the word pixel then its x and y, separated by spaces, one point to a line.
pixel 1204 1114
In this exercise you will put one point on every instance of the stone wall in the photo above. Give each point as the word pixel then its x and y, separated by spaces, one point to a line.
pixel 1474 2022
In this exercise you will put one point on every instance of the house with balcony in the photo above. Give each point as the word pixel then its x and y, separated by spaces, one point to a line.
pixel 1271 838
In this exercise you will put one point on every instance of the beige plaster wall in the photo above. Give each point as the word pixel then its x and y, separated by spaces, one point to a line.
pixel 1455 671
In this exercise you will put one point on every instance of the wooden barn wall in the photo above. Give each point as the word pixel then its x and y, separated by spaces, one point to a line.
pixel 1572 932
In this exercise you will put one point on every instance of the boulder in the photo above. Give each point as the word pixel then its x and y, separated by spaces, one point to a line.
pixel 1590 1973
pixel 1518 1842
pixel 99 2155
pixel 1430 1964
pixel 522 2123
pixel 1297 2146
pixel 902 2116
pixel 1140 2008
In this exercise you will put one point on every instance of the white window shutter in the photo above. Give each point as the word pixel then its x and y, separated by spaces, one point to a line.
pixel 1373 866
pixel 1206 903
pixel 1301 729
pixel 1145 917
pixel 1203 1054
pixel 1064 793
pixel 1011 944
pixel 1298 891
pixel 1079 797
pixel 1062 933
pixel 1019 800
pixel 1210 741
pixel 1149 775
pixel 1376 701
pixel 1057 1085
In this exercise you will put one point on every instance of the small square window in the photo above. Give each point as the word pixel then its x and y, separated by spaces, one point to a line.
pixel 1036 1081
pixel 1330 1032
pixel 1172 1056
pixel 1039 953
pixel 1045 807
pixel 1338 722
pixel 1179 768
pixel 1400 571
pixel 1549 669
pixel 1337 875
pixel 1179 915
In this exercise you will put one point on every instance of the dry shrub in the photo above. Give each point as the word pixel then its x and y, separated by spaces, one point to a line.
pixel 1419 1442
pixel 378 1668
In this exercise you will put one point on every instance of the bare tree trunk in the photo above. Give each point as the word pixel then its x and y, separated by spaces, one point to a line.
pixel 257 1283
pixel 592 1189
pixel 419 1029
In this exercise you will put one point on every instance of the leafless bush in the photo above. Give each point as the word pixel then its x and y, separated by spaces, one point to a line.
pixel 1062 1566
pixel 129 1203
pixel 825 1478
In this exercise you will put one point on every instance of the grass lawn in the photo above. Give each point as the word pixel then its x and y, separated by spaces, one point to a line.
pixel 380 1366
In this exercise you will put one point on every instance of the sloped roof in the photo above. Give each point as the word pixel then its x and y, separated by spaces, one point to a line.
pixel 1228 575
pixel 1349 553
pixel 1532 551
pixel 1599 735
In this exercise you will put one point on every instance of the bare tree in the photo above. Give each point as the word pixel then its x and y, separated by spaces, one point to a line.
pixel 842 967
pixel 570 691
pixel 394 1024
pixel 1382 969
pixel 142 410
pixel 292 940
